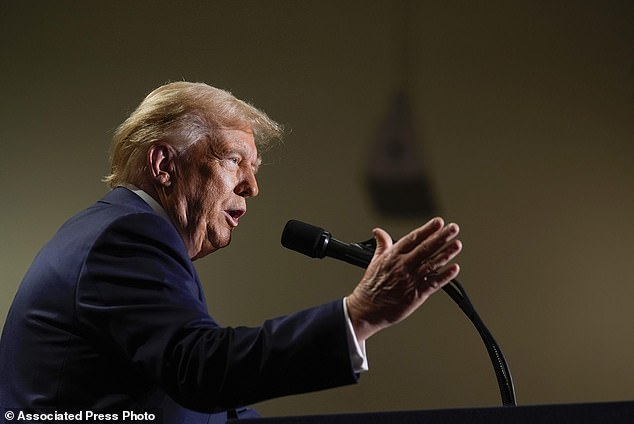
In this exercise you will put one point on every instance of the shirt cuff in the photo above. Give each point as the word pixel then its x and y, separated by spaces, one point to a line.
pixel 358 356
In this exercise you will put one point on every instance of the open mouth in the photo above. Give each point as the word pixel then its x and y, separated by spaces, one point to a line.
pixel 233 215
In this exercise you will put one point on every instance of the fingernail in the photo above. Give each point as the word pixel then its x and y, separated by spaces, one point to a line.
pixel 437 221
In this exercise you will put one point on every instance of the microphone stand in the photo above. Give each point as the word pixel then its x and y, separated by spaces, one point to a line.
pixel 502 373
pixel 458 294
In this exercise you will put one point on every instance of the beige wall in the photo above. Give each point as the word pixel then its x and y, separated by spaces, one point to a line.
pixel 523 109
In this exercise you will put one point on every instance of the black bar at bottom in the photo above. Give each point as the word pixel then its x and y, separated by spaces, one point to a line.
pixel 586 413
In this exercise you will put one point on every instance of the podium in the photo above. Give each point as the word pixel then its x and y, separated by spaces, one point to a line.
pixel 587 413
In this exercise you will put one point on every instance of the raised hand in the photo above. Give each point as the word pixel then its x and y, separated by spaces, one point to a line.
pixel 403 275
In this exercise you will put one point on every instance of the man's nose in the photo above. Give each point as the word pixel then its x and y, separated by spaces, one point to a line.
pixel 248 187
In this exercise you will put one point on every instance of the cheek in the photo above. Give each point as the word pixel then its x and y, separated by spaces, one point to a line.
pixel 209 190
pixel 214 178
pixel 205 172
pixel 210 201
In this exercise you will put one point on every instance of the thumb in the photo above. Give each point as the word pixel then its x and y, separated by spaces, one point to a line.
pixel 383 241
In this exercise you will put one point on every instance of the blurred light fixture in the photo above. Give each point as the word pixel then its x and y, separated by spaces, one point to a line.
pixel 396 177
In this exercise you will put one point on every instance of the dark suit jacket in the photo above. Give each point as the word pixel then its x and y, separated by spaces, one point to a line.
pixel 111 316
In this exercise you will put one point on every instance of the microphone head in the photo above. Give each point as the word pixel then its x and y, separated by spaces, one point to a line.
pixel 305 238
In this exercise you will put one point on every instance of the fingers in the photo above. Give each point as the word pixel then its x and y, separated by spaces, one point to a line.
pixel 435 281
pixel 435 240
pixel 429 247
pixel 429 257
pixel 415 237
pixel 383 241
pixel 442 256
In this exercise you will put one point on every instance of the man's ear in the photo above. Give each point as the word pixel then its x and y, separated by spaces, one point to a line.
pixel 161 159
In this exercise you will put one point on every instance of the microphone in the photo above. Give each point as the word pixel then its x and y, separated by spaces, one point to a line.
pixel 318 243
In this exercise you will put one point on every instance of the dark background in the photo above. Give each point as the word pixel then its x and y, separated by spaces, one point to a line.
pixel 522 113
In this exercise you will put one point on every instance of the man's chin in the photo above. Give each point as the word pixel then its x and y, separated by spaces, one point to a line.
pixel 209 248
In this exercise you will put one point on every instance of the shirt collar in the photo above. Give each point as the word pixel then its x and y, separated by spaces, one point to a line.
pixel 156 206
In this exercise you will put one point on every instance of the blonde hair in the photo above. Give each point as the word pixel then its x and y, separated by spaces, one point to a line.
pixel 182 114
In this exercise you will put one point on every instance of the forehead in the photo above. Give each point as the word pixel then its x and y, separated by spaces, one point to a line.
pixel 231 139
pixel 230 135
pixel 239 141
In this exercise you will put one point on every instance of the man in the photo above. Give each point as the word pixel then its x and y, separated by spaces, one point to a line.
pixel 111 315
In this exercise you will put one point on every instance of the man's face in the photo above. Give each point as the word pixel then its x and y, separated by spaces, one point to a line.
pixel 213 188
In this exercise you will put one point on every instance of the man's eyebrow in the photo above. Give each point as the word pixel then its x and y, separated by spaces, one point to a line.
pixel 257 163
